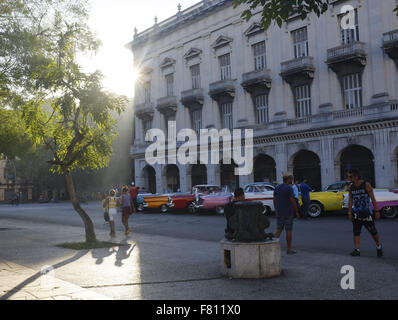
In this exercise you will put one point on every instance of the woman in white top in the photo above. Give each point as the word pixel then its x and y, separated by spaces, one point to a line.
pixel 111 203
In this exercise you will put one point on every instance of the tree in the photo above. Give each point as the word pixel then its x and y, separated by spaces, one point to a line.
pixel 63 108
pixel 279 11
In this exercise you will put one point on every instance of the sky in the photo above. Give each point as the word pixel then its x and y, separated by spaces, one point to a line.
pixel 114 21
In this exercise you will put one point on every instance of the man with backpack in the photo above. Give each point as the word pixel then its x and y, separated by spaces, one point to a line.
pixel 360 212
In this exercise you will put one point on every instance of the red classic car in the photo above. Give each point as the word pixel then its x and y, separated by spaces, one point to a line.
pixel 183 201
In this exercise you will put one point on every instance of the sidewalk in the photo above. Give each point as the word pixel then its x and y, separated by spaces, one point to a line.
pixel 21 283
pixel 148 267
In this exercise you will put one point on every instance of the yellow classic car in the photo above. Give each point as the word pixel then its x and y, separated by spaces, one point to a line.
pixel 330 200
pixel 155 201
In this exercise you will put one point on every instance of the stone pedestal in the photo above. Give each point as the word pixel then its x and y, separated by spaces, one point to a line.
pixel 250 260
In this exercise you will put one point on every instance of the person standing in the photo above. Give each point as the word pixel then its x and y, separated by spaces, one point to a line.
pixel 360 212
pixel 305 190
pixel 126 209
pixel 296 190
pixel 286 208
pixel 111 203
pixel 134 194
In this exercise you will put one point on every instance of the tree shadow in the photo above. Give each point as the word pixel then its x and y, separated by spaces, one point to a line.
pixel 31 279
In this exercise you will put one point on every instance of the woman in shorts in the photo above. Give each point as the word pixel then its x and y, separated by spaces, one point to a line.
pixel 111 203
pixel 126 209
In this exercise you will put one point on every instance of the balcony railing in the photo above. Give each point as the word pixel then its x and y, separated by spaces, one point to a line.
pixel 351 113
pixel 297 64
pixel 346 51
pixel 390 37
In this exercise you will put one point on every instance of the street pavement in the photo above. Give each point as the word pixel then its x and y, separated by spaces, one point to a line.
pixel 177 256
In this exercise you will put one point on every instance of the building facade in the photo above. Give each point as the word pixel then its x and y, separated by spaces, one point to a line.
pixel 320 98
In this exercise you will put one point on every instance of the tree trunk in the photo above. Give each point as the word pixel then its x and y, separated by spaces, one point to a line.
pixel 88 223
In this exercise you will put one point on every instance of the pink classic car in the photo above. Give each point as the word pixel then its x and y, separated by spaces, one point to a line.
pixel 215 201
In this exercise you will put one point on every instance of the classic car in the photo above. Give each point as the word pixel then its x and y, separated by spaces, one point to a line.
pixel 215 201
pixel 183 201
pixel 155 201
pixel 263 192
pixel 387 202
pixel 206 189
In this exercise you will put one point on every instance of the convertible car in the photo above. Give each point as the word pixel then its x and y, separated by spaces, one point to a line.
pixel 163 202
pixel 263 192
pixel 387 202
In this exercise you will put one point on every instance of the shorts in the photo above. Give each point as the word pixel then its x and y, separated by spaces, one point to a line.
pixel 369 224
pixel 285 223
pixel 126 211
pixel 112 214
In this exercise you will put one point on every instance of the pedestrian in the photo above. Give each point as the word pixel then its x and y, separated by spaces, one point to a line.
pixel 134 194
pixel 296 190
pixel 126 209
pixel 286 209
pixel 305 190
pixel 111 203
pixel 360 212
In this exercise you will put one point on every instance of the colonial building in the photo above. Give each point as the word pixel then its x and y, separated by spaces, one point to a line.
pixel 320 98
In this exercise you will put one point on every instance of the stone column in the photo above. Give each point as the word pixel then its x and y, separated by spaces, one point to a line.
pixel 160 180
pixel 281 161
pixel 328 174
pixel 213 175
pixel 382 153
pixel 184 181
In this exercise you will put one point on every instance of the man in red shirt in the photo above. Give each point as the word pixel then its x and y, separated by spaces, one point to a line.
pixel 134 194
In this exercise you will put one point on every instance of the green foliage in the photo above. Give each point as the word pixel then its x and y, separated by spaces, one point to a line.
pixel 279 11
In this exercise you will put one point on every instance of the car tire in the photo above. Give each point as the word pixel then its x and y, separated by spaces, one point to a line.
pixel 164 208
pixel 390 212
pixel 220 210
pixel 140 207
pixel 315 210
pixel 267 211
pixel 191 208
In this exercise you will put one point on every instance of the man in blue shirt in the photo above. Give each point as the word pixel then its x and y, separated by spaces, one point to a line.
pixel 286 209
pixel 305 197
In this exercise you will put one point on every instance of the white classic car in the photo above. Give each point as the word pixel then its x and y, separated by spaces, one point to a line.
pixel 263 192
pixel 387 202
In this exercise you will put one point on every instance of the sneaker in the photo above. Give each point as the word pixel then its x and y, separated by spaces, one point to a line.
pixel 292 252
pixel 380 252
pixel 127 232
pixel 355 253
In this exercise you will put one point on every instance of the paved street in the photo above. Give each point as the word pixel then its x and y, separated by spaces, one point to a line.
pixel 176 256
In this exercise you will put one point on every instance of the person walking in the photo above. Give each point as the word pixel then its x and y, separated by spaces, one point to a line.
pixel 111 203
pixel 305 190
pixel 286 208
pixel 296 190
pixel 126 209
pixel 360 212
pixel 134 194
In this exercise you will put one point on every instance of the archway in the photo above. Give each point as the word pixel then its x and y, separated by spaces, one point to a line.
pixel 228 177
pixel 149 178
pixel 264 169
pixel 307 164
pixel 172 178
pixel 198 174
pixel 360 158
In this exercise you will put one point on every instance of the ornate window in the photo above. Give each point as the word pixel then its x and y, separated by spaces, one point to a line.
pixel 300 42
pixel 226 112
pixel 349 34
pixel 225 66
pixel 197 120
pixel 303 101
pixel 261 105
pixel 170 85
pixel 260 61
pixel 352 91
pixel 195 76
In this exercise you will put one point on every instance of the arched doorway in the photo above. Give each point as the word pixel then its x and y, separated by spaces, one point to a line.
pixel 149 178
pixel 264 169
pixel 172 178
pixel 198 174
pixel 307 164
pixel 360 158
pixel 228 177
